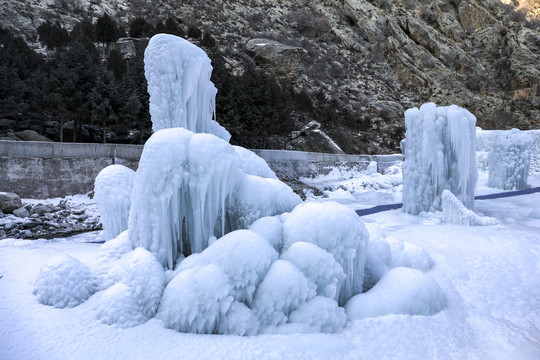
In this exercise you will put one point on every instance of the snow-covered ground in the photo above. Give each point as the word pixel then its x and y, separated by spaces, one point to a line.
pixel 490 276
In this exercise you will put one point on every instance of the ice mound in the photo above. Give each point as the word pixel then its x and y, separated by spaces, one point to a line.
pixel 337 229
pixel 270 228
pixel 179 193
pixel 195 300
pixel 64 281
pixel 406 254
pixel 253 164
pixel 135 298
pixel 255 197
pixel 243 255
pixel 455 212
pixel 112 193
pixel 509 160
pixel 318 265
pixel 282 291
pixel 239 320
pixel 181 93
pixel 401 291
pixel 440 154
pixel 535 214
pixel 109 264
pixel 320 314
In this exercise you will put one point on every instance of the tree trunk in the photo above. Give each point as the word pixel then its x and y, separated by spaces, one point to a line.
pixel 61 129
pixel 104 130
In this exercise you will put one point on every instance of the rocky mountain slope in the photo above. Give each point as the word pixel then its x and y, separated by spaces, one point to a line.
pixel 373 59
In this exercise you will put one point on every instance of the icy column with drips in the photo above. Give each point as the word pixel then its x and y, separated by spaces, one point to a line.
pixel 440 155
pixel 181 93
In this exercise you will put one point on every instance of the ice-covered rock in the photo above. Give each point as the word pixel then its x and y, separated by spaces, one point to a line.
pixel 337 229
pixel 440 155
pixel 455 212
pixel 64 281
pixel 320 314
pixel 318 266
pixel 243 255
pixel 196 299
pixel 253 164
pixel 112 193
pixel 181 93
pixel 270 228
pixel 282 291
pixel 509 160
pixel 179 192
pixel 255 197
pixel 401 291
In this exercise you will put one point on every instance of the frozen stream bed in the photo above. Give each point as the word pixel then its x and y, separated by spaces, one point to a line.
pixel 490 276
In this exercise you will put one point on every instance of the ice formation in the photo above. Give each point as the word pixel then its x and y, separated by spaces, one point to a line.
pixel 455 212
pixel 401 291
pixel 64 282
pixel 253 164
pixel 238 320
pixel 179 192
pixel 509 160
pixel 181 93
pixel 109 264
pixel 337 229
pixel 270 228
pixel 320 314
pixel 440 155
pixel 255 197
pixel 112 193
pixel 243 255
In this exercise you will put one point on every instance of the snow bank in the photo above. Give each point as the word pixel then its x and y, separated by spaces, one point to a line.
pixel 255 197
pixel 509 160
pixel 243 255
pixel 253 164
pixel 112 193
pixel 282 291
pixel 195 299
pixel 337 229
pixel 440 155
pixel 400 291
pixel 455 212
pixel 64 281
pixel 181 93
pixel 180 188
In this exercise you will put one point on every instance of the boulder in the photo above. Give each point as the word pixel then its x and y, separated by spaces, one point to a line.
pixel 9 202
pixel 282 59
pixel 312 138
pixel 42 209
pixel 21 212
pixel 129 47
pixel 31 135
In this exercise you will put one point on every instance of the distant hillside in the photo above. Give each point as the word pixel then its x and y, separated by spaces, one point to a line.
pixel 353 65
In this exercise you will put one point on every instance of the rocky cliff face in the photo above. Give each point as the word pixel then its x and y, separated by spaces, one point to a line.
pixel 374 58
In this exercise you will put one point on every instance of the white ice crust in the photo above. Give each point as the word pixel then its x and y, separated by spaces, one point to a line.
pixel 440 155
pixel 64 282
pixel 509 160
pixel 456 213
pixel 253 164
pixel 112 193
pixel 181 93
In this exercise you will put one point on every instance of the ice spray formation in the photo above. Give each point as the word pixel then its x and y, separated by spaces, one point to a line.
pixel 440 154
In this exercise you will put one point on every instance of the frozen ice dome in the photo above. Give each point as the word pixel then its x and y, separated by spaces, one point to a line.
pixel 195 299
pixel 401 291
pixel 253 164
pixel 270 228
pixel 109 264
pixel 509 160
pixel 112 193
pixel 337 229
pixel 116 306
pixel 181 93
pixel 64 281
pixel 406 254
pixel 243 255
pixel 239 320
pixel 320 314
pixel 440 155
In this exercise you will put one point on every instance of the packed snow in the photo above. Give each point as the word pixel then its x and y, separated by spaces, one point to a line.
pixel 440 154
pixel 112 193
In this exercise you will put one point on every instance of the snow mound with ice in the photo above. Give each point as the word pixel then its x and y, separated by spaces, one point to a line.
pixel 239 320
pixel 195 300
pixel 401 291
pixel 116 306
pixel 509 160
pixel 64 282
pixel 243 255
pixel 455 212
pixel 253 164
pixel 112 193
pixel 535 213
pixel 440 154
pixel 181 93
pixel 255 197
pixel 320 314
pixel 270 228
pixel 318 265
pixel 283 290
pixel 337 229
pixel 109 263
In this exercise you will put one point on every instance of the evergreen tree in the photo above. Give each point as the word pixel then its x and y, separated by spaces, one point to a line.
pixel 139 28
pixel 53 36
pixel 106 30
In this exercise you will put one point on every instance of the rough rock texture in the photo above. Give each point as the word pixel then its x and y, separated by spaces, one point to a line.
pixel 283 60
pixel 9 202
pixel 312 138
pixel 374 58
